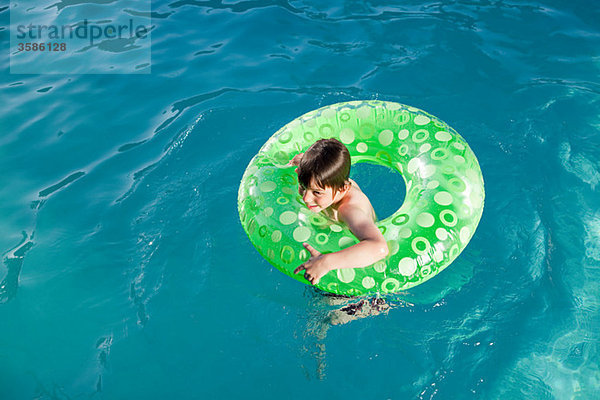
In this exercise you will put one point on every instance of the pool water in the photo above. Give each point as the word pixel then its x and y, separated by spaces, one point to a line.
pixel 126 272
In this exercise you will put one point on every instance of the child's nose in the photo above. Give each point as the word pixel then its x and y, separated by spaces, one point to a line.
pixel 306 197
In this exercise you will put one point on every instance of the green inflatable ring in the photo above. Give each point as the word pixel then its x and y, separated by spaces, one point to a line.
pixel 442 208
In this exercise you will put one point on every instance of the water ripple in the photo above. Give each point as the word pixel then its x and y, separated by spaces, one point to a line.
pixel 14 262
pixel 239 7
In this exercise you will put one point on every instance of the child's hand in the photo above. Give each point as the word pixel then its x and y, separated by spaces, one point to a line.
pixel 296 160
pixel 315 267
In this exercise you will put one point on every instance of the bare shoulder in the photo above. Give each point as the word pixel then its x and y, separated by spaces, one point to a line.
pixel 356 200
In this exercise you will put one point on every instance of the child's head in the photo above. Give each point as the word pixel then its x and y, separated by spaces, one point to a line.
pixel 326 165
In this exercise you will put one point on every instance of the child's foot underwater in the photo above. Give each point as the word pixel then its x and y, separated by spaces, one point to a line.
pixel 364 308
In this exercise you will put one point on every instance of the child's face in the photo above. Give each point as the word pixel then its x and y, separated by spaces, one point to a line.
pixel 317 198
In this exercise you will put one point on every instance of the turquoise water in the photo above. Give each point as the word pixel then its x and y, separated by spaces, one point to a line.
pixel 126 272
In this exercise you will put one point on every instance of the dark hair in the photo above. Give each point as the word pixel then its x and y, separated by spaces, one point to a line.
pixel 327 162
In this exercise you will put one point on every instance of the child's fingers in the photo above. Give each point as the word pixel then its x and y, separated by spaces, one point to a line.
pixel 314 280
pixel 313 252
pixel 299 268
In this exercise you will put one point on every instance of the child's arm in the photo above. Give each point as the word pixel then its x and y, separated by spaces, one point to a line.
pixel 371 248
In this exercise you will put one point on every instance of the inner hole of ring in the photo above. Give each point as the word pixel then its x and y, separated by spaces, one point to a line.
pixel 383 186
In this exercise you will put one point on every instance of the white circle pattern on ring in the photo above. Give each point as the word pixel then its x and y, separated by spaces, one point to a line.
pixel 441 234
pixel 420 135
pixel 346 275
pixel 413 165
pixel 443 198
pixel 432 184
pixel 301 234
pixel 404 233
pixel 464 234
pixel 421 120
pixel 368 282
pixel 425 220
pixel 276 236
pixel 444 217
pixel 288 217
pixel 267 186
pixel 386 137
pixel 347 136
pixel 407 266
pixel 385 285
pixel 443 136
pixel 418 242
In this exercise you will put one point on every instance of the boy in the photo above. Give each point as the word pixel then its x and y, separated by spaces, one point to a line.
pixel 323 176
